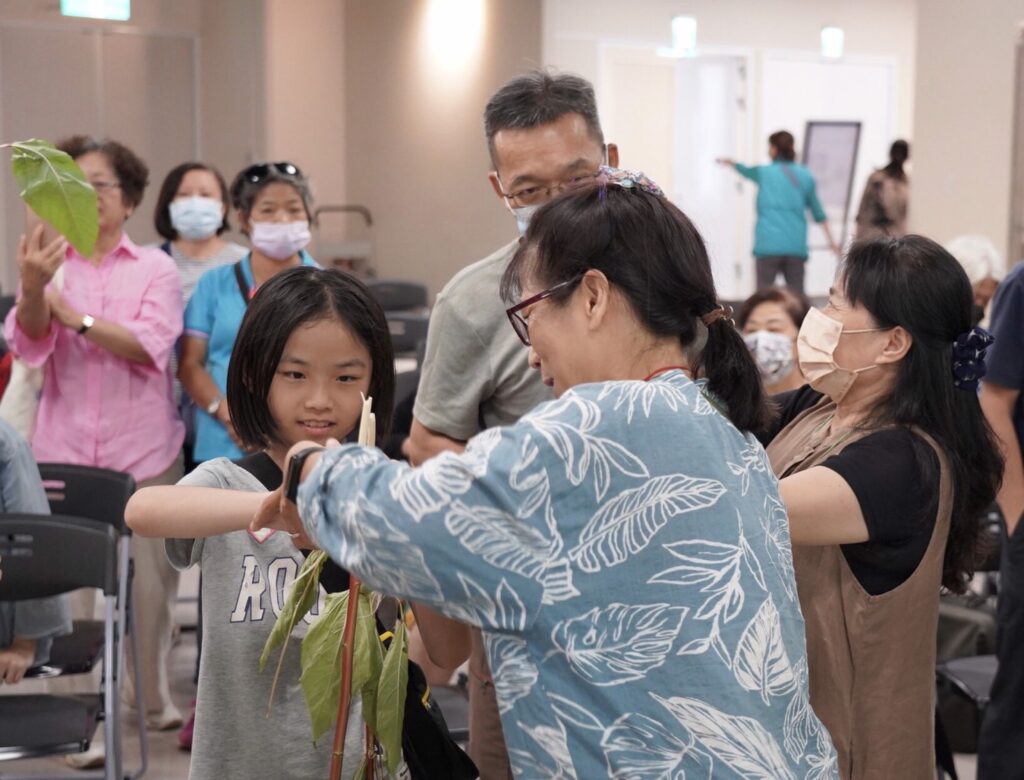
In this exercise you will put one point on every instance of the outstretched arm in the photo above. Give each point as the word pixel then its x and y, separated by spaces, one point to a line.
pixel 181 511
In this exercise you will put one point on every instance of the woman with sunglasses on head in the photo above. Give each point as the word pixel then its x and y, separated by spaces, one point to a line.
pixel 621 547
pixel 886 464
pixel 274 210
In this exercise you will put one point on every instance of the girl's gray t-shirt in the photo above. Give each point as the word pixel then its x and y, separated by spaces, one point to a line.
pixel 244 587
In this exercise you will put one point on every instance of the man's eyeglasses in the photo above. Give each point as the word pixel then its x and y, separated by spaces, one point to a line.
pixel 533 196
pixel 258 172
pixel 519 324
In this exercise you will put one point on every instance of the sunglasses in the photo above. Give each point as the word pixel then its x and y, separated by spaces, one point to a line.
pixel 258 172
pixel 520 325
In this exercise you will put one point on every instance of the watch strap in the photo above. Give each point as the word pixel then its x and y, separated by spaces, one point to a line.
pixel 295 464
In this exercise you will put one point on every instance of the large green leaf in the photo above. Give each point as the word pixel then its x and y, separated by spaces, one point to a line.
pixel 394 679
pixel 367 659
pixel 301 598
pixel 55 189
pixel 321 671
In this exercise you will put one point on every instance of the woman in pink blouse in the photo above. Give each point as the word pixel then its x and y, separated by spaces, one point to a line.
pixel 106 340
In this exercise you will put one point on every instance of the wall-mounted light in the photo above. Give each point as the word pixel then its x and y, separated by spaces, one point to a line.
pixel 114 10
pixel 452 33
pixel 684 38
pixel 832 42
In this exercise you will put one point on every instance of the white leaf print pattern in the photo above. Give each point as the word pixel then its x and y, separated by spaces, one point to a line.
pixel 777 543
pixel 738 741
pixel 581 452
pixel 552 761
pixel 626 524
pixel 618 643
pixel 512 668
pixel 643 394
pixel 570 712
pixel 754 461
pixel 504 610
pixel 637 747
pixel 761 663
pixel 557 581
pixel 715 567
pixel 389 561
pixel 799 719
pixel 432 486
pixel 824 764
pixel 498 538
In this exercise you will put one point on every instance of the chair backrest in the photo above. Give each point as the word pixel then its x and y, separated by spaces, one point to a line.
pixel 86 491
pixel 397 294
pixel 408 331
pixel 46 555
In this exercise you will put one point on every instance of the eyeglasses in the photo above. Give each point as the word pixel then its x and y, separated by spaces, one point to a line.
pixel 104 186
pixel 258 172
pixel 519 324
pixel 533 196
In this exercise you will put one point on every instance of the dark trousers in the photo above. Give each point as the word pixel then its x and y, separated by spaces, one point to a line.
pixel 790 266
pixel 1001 743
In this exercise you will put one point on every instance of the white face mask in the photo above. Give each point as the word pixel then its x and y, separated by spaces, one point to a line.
pixel 773 353
pixel 280 240
pixel 196 218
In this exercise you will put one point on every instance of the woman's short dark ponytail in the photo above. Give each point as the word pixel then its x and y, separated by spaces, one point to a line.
pixel 655 257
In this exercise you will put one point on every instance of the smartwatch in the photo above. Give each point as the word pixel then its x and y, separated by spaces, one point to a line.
pixel 295 464
pixel 87 322
pixel 214 406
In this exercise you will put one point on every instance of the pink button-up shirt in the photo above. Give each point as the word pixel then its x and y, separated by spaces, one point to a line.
pixel 98 409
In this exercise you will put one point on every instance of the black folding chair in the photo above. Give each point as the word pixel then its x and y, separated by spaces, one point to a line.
pixel 396 295
pixel 43 556
pixel 100 495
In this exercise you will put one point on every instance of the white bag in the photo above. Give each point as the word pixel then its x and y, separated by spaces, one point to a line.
pixel 20 402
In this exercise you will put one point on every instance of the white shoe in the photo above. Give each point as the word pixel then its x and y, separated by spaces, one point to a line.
pixel 165 720
pixel 93 758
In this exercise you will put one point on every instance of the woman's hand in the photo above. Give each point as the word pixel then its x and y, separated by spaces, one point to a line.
pixel 223 416
pixel 37 263
pixel 16 660
pixel 62 312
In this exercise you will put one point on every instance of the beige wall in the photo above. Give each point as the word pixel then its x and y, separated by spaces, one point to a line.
pixel 964 118
pixel 415 149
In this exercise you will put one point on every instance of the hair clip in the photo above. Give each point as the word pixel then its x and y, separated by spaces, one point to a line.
pixel 628 180
pixel 969 357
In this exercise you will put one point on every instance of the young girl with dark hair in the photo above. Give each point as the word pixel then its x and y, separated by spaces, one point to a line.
pixel 886 463
pixel 623 548
pixel 311 344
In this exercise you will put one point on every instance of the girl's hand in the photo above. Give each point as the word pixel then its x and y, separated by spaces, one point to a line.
pixel 278 512
pixel 37 263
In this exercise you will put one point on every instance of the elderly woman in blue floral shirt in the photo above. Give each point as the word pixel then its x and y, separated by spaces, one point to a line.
pixel 623 548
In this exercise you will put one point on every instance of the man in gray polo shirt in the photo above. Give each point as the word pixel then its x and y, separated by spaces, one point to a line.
pixel 544 136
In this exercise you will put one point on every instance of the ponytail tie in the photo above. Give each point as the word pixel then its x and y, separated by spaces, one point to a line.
pixel 969 357
pixel 719 312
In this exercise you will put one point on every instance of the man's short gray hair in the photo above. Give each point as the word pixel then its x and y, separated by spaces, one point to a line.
pixel 538 98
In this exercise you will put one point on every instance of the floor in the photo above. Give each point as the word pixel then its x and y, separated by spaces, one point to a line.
pixel 166 760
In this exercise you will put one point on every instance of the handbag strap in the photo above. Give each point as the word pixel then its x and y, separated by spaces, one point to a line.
pixel 243 288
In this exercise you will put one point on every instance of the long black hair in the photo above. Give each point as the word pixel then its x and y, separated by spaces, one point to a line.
pixel 914 283
pixel 651 252
pixel 285 302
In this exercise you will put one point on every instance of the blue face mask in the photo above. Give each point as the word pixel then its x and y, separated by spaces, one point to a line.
pixel 196 218
pixel 523 215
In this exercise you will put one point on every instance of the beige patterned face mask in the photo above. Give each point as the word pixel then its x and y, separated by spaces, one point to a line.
pixel 815 347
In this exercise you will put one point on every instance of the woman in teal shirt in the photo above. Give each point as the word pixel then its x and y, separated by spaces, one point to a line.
pixel 785 191
pixel 274 210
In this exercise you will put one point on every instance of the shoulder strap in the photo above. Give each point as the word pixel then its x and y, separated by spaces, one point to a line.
pixel 243 288
pixel 166 247
pixel 786 169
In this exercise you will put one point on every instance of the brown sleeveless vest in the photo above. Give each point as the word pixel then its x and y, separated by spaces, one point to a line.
pixel 871 659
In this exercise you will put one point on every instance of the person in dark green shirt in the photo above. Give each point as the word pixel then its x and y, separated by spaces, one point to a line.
pixel 785 192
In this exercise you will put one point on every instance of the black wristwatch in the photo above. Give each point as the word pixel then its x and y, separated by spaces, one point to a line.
pixel 295 464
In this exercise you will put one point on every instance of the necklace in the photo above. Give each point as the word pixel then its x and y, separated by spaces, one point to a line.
pixel 660 371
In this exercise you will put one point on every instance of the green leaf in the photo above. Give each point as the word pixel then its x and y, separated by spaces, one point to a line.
pixel 367 660
pixel 360 770
pixel 55 188
pixel 321 670
pixel 301 598
pixel 394 679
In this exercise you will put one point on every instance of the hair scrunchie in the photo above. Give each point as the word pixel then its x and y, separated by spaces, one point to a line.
pixel 969 357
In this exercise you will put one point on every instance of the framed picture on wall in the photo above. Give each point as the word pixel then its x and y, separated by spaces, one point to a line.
pixel 830 153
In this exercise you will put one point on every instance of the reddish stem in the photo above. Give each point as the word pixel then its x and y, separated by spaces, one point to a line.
pixel 371 754
pixel 345 699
